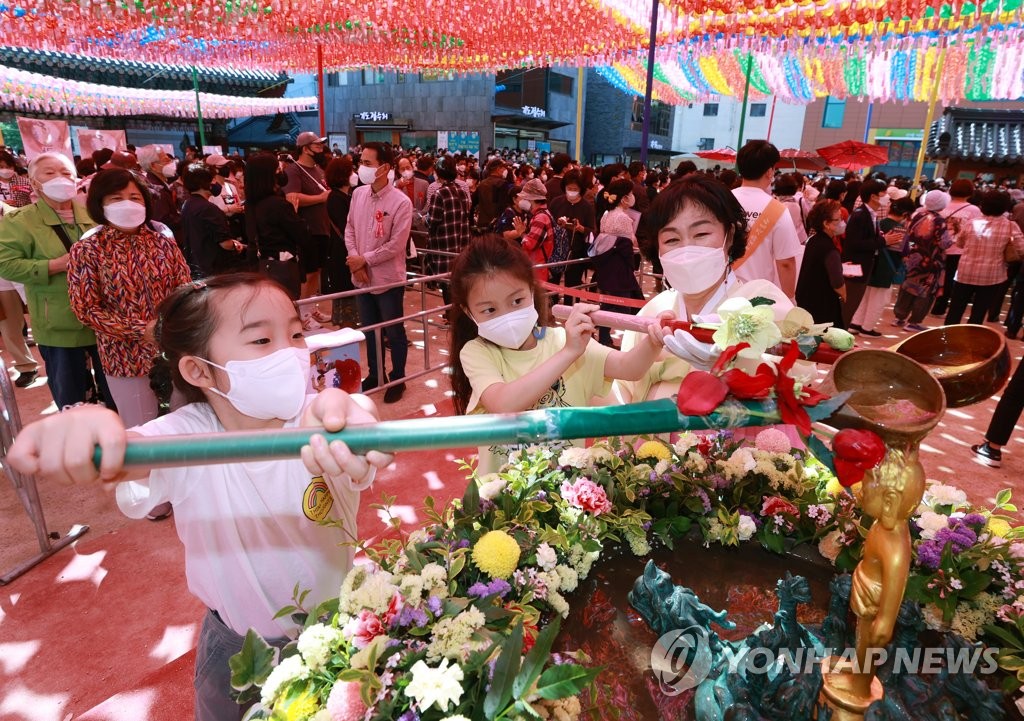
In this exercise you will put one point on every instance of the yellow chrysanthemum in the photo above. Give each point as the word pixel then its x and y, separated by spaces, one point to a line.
pixel 302 707
pixel 653 449
pixel 998 527
pixel 496 554
pixel 833 487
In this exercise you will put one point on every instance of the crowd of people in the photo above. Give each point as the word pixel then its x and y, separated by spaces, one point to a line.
pixel 137 266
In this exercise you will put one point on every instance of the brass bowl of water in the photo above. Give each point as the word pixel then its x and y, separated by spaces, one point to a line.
pixel 971 362
pixel 892 394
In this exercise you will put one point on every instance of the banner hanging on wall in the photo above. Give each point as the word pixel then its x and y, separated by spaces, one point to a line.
pixel 458 141
pixel 44 136
pixel 89 140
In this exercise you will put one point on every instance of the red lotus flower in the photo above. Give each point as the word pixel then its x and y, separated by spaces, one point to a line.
pixel 790 404
pixel 701 392
pixel 856 451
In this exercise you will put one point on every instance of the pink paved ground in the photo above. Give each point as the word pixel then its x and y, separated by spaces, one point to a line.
pixel 107 629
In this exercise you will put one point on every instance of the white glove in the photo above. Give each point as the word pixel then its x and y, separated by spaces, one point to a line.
pixel 697 354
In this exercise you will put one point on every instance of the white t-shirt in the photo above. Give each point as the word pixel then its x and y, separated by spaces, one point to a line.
pixel 781 243
pixel 250 530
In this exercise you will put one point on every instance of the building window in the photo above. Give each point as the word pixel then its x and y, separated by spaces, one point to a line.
pixel 661 117
pixel 706 144
pixel 561 84
pixel 710 110
pixel 400 77
pixel 435 76
pixel 373 76
pixel 834 111
pixel 758 110
pixel 332 80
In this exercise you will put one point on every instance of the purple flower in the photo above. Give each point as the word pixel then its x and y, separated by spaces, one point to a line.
pixel 719 481
pixel 410 616
pixel 702 494
pixel 929 554
pixel 974 520
pixel 646 526
pixel 487 505
pixel 652 477
pixel 498 586
pixel 541 496
pixel 959 535
pixel 409 715
pixel 434 604
pixel 478 589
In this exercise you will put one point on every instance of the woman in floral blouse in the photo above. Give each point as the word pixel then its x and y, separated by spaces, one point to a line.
pixel 117 276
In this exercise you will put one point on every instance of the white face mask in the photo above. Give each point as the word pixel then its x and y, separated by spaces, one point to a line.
pixel 59 189
pixel 525 205
pixel 628 201
pixel 694 268
pixel 391 176
pixel 510 330
pixel 270 387
pixel 6 173
pixel 353 180
pixel 367 175
pixel 543 177
pixel 407 174
pixel 572 194
pixel 839 228
pixel 170 169
pixel 125 214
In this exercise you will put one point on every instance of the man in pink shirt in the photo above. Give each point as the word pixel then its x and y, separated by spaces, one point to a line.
pixel 377 233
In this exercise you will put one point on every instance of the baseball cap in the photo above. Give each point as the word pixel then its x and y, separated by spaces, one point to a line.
pixel 308 138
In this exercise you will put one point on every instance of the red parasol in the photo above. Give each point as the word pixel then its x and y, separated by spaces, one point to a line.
pixel 800 159
pixel 724 154
pixel 854 155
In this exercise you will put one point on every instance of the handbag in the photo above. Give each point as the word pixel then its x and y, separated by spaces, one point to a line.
pixel 1010 253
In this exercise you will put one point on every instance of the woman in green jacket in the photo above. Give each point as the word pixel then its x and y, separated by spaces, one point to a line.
pixel 34 245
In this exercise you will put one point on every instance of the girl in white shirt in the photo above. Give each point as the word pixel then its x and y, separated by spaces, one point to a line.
pixel 251 531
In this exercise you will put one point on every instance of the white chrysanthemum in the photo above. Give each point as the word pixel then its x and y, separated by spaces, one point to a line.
pixel 696 463
pixel 491 486
pixel 456 717
pixel 290 669
pixel 581 561
pixel 939 494
pixel 568 579
pixel 411 587
pixel 434 576
pixel 685 442
pixel 417 536
pixel 558 603
pixel 452 636
pixel 317 643
pixel 440 686
pixel 600 453
pixel 374 592
pixel 546 557
pixel 575 457
pixel 661 468
pixel 931 523
pixel 746 528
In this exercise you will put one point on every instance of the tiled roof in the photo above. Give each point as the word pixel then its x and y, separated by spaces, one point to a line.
pixel 130 73
pixel 995 136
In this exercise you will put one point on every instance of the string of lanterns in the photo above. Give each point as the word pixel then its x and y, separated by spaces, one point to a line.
pixel 479 35
pixel 31 92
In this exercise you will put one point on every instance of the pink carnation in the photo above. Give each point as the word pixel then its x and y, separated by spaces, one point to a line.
pixel 586 494
pixel 344 703
pixel 774 505
pixel 773 440
pixel 364 628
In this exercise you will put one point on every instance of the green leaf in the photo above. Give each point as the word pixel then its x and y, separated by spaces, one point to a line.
pixel 251 666
pixel 471 498
pixel 286 611
pixel 505 672
pixel 565 680
pixel 1005 636
pixel 534 662
pixel 1003 496
pixel 761 300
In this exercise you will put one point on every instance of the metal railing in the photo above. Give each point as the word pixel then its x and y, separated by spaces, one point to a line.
pixel 25 487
